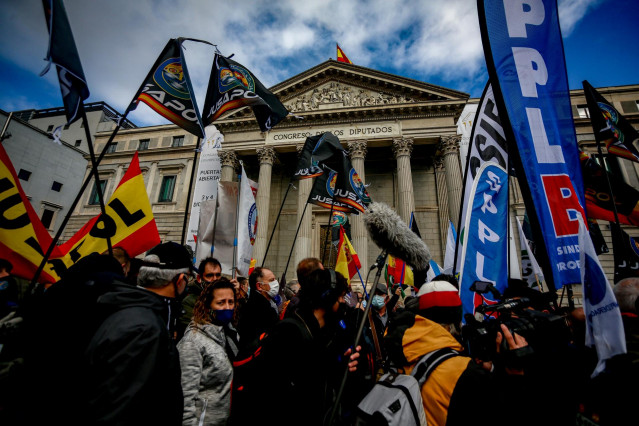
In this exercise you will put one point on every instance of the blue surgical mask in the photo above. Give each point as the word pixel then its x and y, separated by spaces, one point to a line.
pixel 378 301
pixel 224 316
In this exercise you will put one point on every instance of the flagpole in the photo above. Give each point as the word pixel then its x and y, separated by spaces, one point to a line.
pixel 237 219
pixel 187 209
pixel 328 232
pixel 94 167
pixel 295 237
pixel 276 220
pixel 76 201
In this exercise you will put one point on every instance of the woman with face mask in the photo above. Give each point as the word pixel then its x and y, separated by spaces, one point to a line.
pixel 206 354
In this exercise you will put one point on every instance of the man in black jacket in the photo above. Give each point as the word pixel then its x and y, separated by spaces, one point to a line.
pixel 260 314
pixel 132 369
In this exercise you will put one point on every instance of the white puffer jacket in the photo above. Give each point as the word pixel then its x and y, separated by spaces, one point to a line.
pixel 207 374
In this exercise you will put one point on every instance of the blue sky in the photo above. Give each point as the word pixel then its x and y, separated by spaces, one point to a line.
pixel 433 41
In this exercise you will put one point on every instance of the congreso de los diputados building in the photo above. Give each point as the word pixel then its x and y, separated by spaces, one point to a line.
pixel 406 139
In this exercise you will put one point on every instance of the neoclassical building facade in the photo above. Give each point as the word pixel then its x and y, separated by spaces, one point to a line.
pixel 401 136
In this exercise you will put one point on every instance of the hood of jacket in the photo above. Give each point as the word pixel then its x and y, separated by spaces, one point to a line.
pixel 410 336
pixel 212 331
pixel 123 296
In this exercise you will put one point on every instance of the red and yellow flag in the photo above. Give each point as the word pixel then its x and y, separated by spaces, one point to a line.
pixel 23 237
pixel 347 262
pixel 341 57
pixel 129 223
pixel 397 271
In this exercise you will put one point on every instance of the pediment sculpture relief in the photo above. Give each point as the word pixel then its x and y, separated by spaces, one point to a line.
pixel 338 95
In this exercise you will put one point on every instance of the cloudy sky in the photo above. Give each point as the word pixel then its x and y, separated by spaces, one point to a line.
pixel 429 40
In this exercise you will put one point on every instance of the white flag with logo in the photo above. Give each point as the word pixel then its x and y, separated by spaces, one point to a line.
pixel 604 327
pixel 247 224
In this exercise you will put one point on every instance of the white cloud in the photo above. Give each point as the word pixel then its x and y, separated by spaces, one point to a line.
pixel 119 40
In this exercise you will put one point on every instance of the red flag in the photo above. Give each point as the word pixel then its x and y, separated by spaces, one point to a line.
pixel 341 57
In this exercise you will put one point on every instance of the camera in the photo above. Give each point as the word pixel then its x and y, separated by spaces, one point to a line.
pixel 543 330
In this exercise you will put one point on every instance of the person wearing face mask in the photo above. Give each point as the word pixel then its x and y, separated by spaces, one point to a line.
pixel 210 270
pixel 303 358
pixel 260 313
pixel 206 354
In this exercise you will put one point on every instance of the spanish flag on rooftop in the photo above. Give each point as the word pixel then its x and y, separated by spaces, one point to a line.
pixel 341 57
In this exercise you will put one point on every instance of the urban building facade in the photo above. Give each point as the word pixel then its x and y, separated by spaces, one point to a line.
pixel 50 173
pixel 401 135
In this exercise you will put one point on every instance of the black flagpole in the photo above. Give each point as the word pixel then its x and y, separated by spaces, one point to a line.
pixel 299 225
pixel 276 220
pixel 187 209
pixel 96 173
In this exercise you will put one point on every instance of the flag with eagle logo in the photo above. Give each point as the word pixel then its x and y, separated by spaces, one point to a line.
pixel 168 91
pixel 233 86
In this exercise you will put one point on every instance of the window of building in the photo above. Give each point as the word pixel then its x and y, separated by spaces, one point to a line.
pixel 112 147
pixel 178 141
pixel 94 198
pixel 166 189
pixel 24 175
pixel 144 144
pixel 57 186
pixel 47 217
pixel 50 128
pixel 582 110
pixel 78 142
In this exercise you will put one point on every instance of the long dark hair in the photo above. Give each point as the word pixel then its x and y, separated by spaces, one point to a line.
pixel 201 311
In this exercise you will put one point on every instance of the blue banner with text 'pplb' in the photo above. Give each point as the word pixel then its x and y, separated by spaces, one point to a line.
pixel 525 58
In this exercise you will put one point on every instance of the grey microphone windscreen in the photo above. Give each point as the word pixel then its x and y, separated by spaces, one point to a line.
pixel 390 233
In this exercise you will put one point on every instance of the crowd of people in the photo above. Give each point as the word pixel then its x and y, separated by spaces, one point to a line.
pixel 121 341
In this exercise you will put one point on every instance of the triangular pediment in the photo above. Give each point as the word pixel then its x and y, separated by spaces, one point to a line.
pixel 336 86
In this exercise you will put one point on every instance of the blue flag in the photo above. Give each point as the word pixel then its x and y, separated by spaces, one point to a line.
pixel 63 53
pixel 525 60
pixel 485 247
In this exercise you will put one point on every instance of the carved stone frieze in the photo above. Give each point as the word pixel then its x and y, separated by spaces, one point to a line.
pixel 339 95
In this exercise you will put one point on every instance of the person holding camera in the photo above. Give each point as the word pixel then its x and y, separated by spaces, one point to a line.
pixel 460 390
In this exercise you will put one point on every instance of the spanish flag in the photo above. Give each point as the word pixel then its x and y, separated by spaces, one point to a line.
pixel 341 57
pixel 397 271
pixel 347 262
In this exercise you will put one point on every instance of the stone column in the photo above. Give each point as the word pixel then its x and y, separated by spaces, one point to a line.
pixel 266 156
pixel 402 148
pixel 303 244
pixel 442 201
pixel 449 148
pixel 357 150
pixel 229 165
